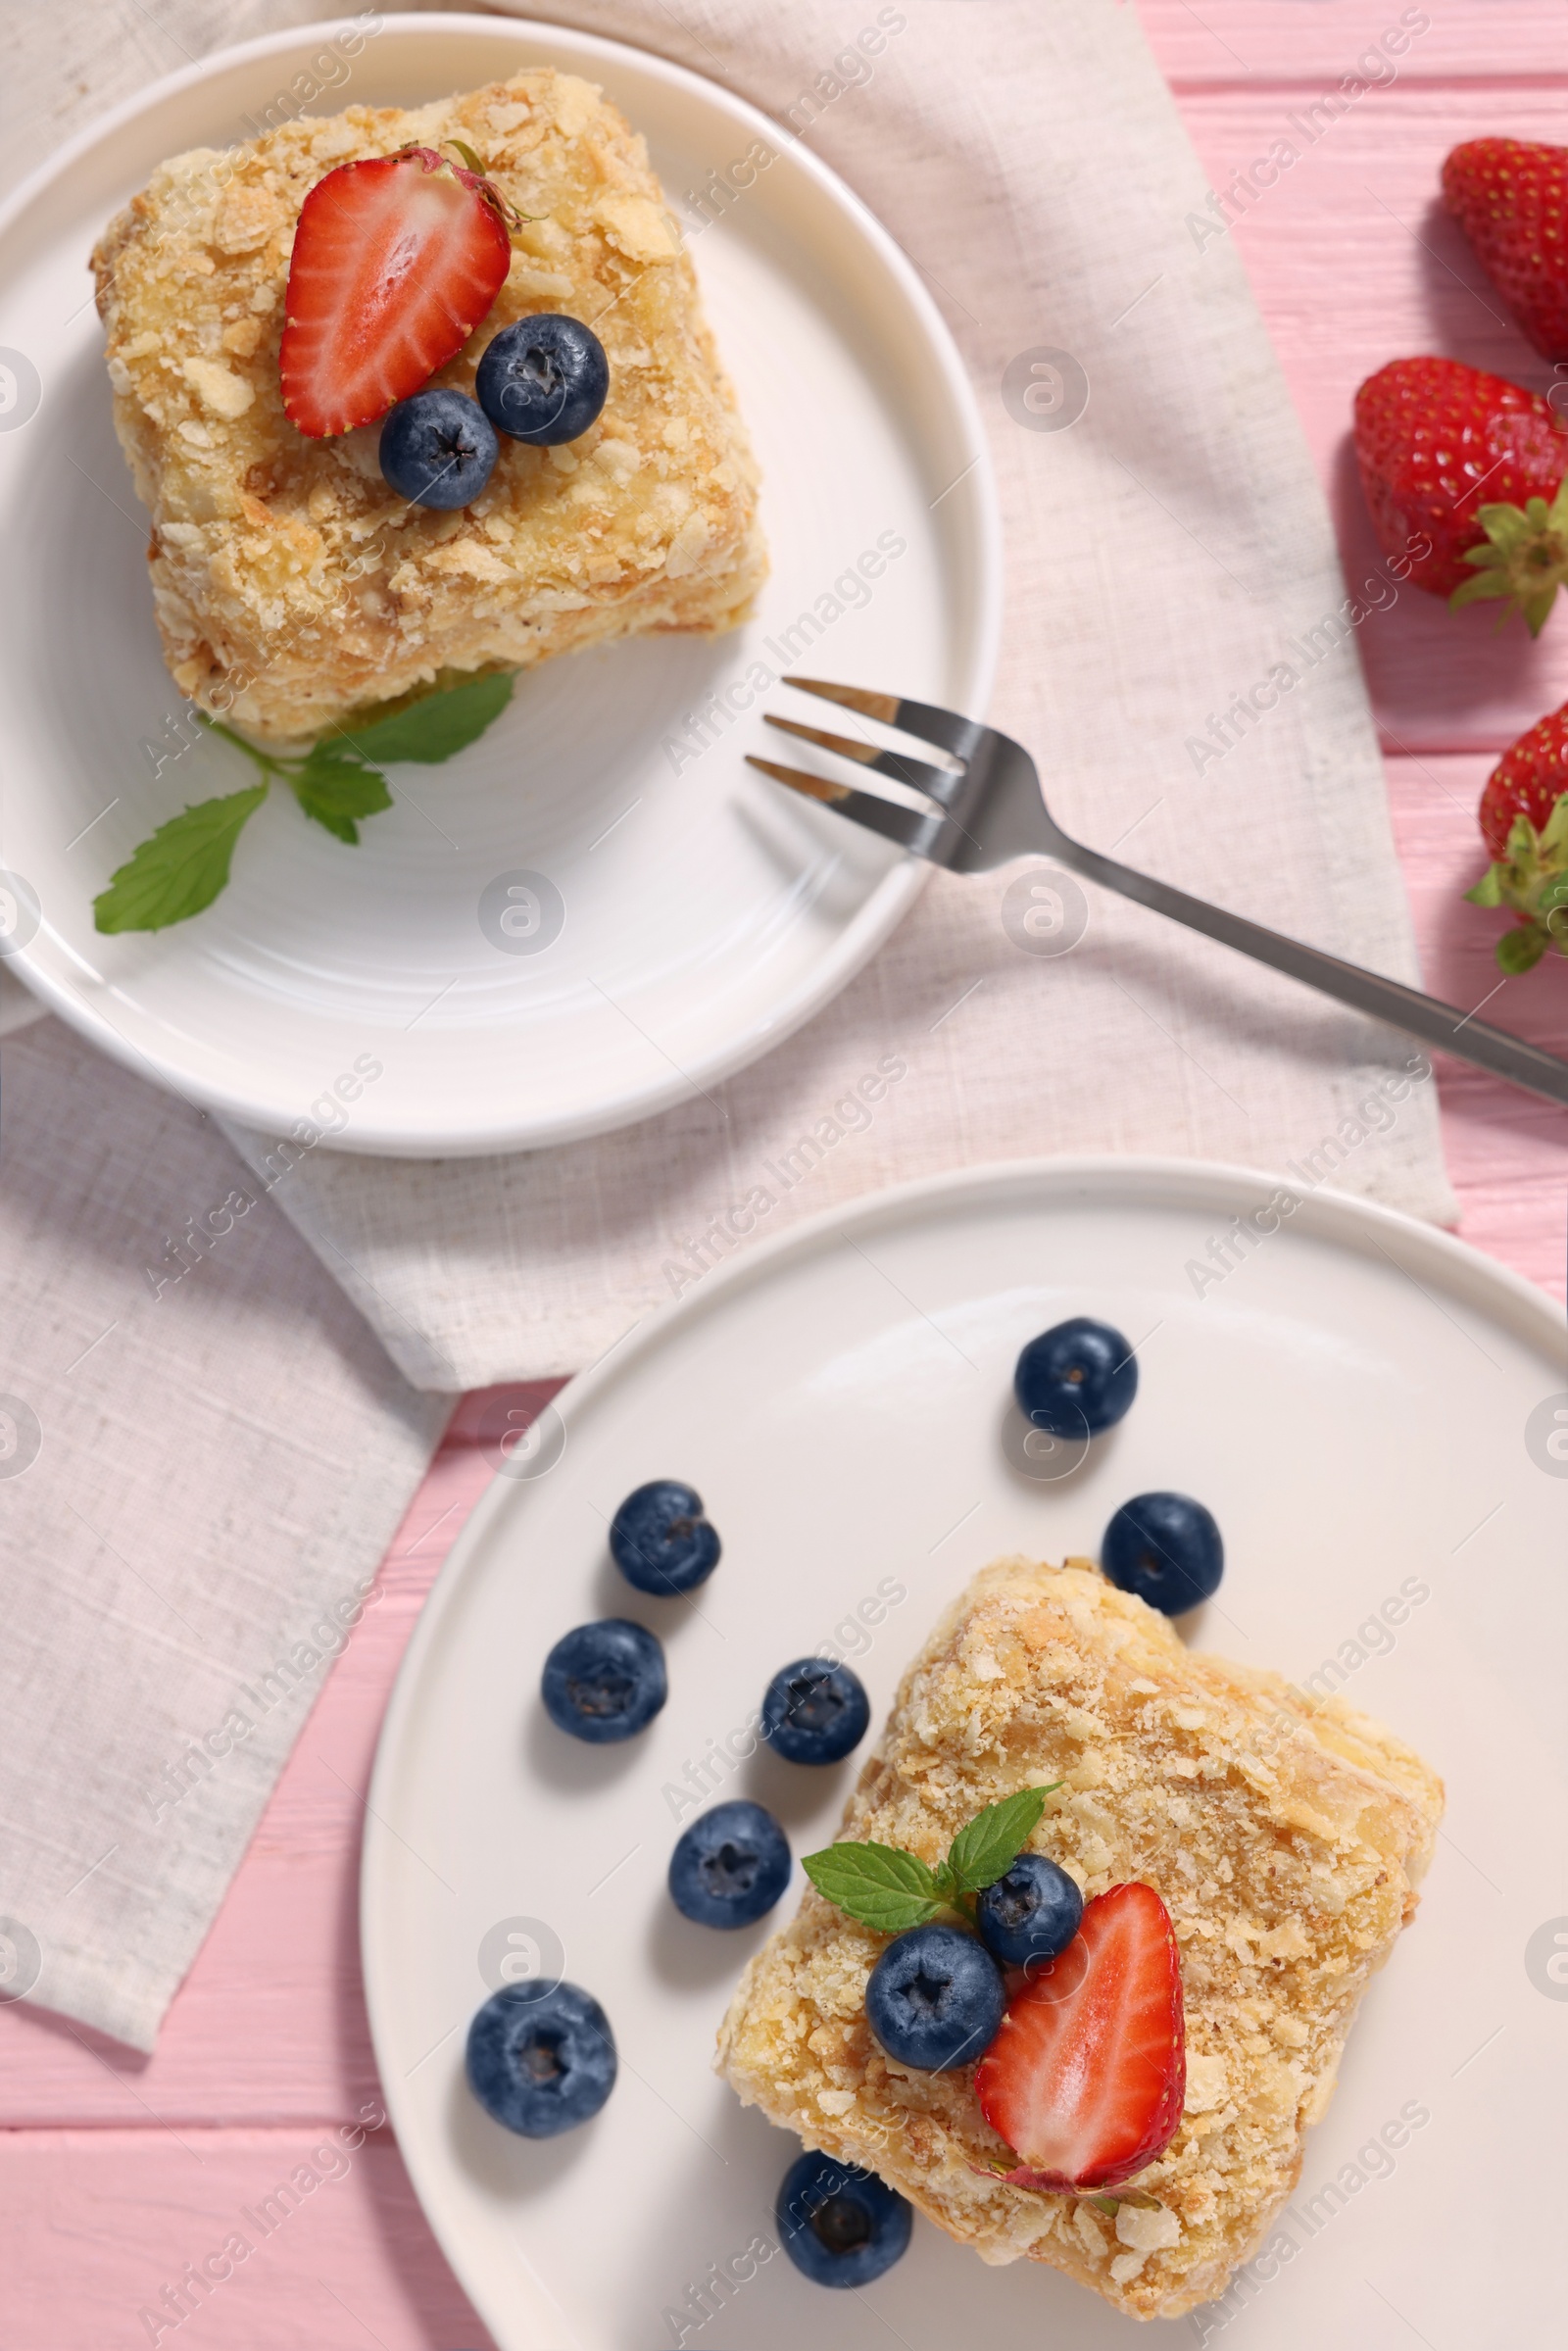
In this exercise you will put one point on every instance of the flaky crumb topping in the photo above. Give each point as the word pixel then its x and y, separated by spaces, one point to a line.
pixel 1284 1835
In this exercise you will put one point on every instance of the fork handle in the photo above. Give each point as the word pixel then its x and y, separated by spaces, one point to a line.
pixel 1423 1016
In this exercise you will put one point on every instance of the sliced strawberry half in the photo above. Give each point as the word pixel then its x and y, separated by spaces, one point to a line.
pixel 394 263
pixel 1087 2074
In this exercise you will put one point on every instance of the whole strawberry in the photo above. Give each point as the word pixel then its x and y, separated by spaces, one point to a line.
pixel 1469 470
pixel 1510 196
pixel 1524 822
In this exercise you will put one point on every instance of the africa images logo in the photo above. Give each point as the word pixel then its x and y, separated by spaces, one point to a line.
pixel 1546 1434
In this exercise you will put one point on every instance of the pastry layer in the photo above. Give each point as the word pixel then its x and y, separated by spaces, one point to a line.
pixel 1285 1836
pixel 292 586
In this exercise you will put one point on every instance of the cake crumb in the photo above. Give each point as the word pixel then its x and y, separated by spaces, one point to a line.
pixel 1148 2231
pixel 218 387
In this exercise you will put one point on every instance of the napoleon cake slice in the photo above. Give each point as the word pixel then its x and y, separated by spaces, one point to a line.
pixel 1286 1838
pixel 293 589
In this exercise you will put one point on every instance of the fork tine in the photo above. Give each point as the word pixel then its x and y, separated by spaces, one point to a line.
pixel 932 725
pixel 937 783
pixel 910 829
pixel 849 698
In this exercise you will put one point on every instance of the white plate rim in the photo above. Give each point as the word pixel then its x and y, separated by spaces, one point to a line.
pixel 886 906
pixel 1129 1180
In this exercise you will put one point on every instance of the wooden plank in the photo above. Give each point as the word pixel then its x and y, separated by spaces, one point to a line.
pixel 1354 264
pixel 1217 42
pixel 99 2225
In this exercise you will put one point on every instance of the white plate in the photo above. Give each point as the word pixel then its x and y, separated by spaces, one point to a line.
pixel 1351 1400
pixel 707 913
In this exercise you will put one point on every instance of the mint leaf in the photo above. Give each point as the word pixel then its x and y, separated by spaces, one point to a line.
pixel 433 727
pixel 989 1846
pixel 335 789
pixel 180 868
pixel 877 1884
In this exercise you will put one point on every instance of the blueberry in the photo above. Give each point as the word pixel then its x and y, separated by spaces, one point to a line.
pixel 543 380
pixel 935 1999
pixel 730 1866
pixel 660 1540
pixel 604 1682
pixel 1167 1549
pixel 438 449
pixel 541 2062
pixel 840 2226
pixel 814 1712
pixel 1076 1379
pixel 1032 1913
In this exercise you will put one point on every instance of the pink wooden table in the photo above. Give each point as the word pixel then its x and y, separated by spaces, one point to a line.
pixel 116 2173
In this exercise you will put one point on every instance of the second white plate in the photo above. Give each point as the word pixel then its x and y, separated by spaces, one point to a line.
pixel 1365 1404
pixel 707 913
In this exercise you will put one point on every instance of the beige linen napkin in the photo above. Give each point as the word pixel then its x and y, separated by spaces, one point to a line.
pixel 1167 552
pixel 203 1458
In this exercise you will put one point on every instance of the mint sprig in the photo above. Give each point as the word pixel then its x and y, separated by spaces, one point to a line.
pixel 891 1891
pixel 185 864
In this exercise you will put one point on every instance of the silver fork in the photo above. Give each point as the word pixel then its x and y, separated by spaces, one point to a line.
pixel 989 809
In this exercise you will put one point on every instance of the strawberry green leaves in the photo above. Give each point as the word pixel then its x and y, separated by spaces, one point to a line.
pixel 179 870
pixel 892 1891
pixel 1533 880
pixel 185 864
pixel 1523 558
